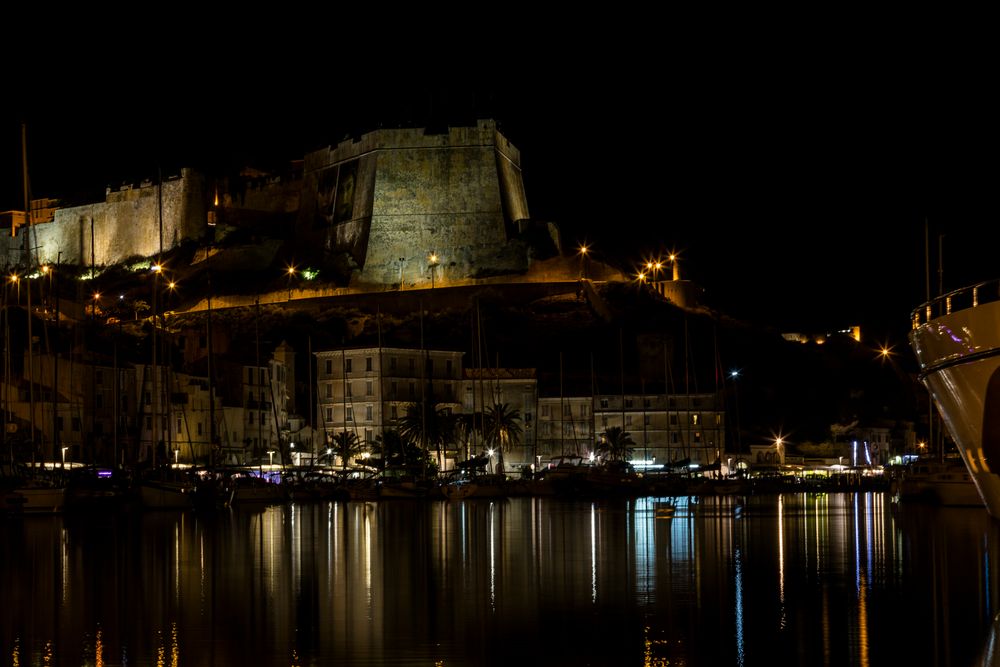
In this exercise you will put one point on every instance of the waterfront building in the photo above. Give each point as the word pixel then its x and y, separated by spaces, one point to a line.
pixel 517 388
pixel 666 429
pixel 565 427
pixel 365 391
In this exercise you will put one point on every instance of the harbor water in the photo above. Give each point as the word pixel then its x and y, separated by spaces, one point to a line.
pixel 783 579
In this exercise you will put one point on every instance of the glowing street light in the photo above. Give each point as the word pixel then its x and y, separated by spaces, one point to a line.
pixel 583 260
pixel 290 272
pixel 432 261
pixel 270 457
pixel 64 456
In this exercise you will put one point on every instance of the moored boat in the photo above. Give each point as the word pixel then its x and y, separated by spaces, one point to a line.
pixel 35 499
pixel 956 339
pixel 167 493
pixel 944 482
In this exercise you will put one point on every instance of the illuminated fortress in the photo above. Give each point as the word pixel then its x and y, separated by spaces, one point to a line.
pixel 393 208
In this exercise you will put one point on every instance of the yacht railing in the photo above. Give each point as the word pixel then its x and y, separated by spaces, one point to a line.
pixel 952 302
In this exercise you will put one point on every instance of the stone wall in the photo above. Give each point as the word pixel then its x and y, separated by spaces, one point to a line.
pixel 370 211
pixel 457 195
pixel 126 224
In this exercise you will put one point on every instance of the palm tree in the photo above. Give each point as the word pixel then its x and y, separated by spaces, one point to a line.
pixel 346 444
pixel 616 444
pixel 424 426
pixel 502 429
pixel 396 451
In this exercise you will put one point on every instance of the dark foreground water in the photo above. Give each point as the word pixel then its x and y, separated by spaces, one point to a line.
pixel 838 579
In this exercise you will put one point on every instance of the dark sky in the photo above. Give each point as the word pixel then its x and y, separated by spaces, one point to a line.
pixel 796 180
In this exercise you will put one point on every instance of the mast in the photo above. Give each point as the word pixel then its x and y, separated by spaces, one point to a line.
pixel 211 380
pixel 256 372
pixel 27 259
pixel 423 388
pixel 312 428
pixel 380 428
pixel 666 398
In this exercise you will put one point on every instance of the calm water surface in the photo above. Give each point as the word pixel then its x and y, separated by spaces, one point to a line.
pixel 838 579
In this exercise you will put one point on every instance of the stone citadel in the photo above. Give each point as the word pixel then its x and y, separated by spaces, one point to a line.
pixel 391 209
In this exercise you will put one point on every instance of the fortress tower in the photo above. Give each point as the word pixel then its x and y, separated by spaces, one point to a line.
pixel 407 208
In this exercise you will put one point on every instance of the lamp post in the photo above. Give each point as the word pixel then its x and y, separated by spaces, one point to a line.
pixel 270 457
pixel 64 456
pixel 583 260
pixel 432 262
pixel 291 274
pixel 735 374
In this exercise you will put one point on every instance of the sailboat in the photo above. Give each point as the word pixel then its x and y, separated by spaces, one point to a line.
pixel 37 490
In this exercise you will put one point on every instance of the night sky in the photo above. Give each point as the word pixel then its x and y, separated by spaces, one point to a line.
pixel 795 180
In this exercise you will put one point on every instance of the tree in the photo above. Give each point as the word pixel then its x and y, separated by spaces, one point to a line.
pixel 501 429
pixel 399 452
pixel 345 445
pixel 425 426
pixel 616 444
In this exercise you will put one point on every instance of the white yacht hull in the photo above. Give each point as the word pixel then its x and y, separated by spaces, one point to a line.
pixel 959 354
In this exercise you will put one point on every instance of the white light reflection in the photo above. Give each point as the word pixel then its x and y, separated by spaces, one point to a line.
pixel 296 544
pixel 64 561
pixel 368 565
pixel 493 558
pixel 177 561
pixel 331 507
pixel 593 553
pixel 738 560
pixel 781 560
pixel 201 565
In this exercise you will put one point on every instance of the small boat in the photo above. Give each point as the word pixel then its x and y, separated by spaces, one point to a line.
pixel 31 499
pixel 459 489
pixel 944 482
pixel 168 493
pixel 252 489
pixel 32 493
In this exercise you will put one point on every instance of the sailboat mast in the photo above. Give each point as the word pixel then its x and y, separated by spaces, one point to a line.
pixel 27 259
pixel 211 382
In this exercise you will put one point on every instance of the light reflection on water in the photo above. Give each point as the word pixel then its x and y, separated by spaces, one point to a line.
pixel 838 579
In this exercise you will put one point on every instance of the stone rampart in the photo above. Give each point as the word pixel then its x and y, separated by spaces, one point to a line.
pixel 127 224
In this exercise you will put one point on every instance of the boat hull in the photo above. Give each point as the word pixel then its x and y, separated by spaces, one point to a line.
pixel 36 500
pixel 959 356
pixel 167 495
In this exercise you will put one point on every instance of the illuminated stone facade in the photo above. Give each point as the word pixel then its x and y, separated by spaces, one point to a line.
pixel 391 209
pixel 405 208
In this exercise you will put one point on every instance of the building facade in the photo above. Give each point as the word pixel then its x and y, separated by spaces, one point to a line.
pixel 366 391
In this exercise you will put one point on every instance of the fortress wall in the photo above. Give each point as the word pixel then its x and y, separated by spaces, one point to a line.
pixel 125 225
pixel 391 197
pixel 512 184
pixel 446 201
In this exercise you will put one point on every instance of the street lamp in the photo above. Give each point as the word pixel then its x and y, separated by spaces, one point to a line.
pixel 583 260
pixel 291 274
pixel 735 374
pixel 64 456
pixel 432 261
pixel 270 457
pixel 677 270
